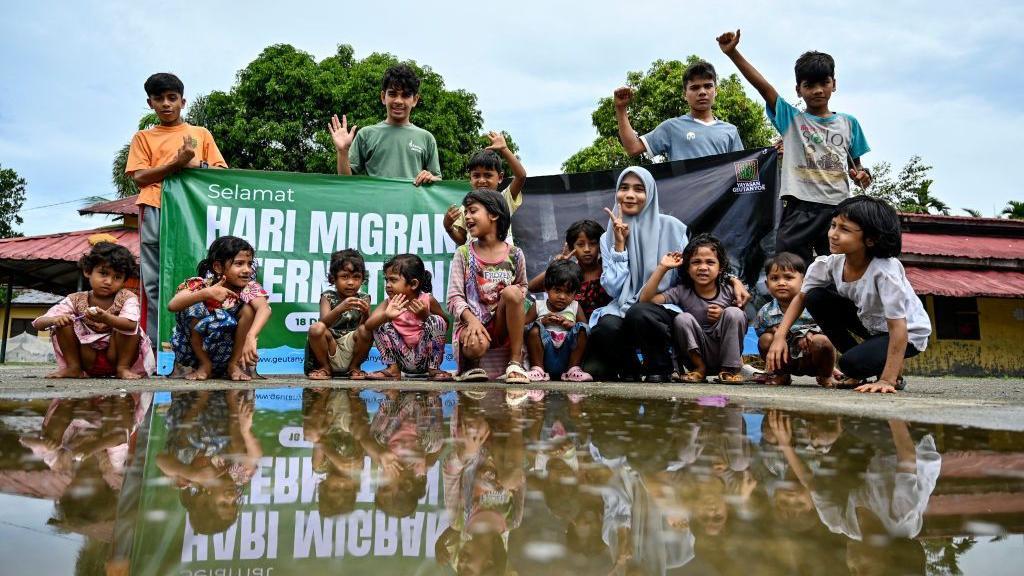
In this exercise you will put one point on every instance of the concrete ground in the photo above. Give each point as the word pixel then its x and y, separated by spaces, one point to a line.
pixel 982 402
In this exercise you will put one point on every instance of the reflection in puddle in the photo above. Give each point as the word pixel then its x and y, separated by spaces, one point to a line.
pixel 318 480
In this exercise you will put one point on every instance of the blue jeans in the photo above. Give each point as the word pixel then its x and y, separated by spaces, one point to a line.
pixel 556 360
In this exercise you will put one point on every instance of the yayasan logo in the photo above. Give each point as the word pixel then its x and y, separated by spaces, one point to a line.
pixel 748 177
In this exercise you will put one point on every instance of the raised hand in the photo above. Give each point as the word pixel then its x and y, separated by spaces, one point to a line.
pixel 620 229
pixel 728 41
pixel 451 215
pixel 672 260
pixel 623 96
pixel 396 305
pixel 566 253
pixel 219 291
pixel 781 426
pixel 860 177
pixel 497 141
pixel 420 309
pixel 187 151
pixel 341 134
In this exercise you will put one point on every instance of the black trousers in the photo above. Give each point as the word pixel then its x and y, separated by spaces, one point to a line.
pixel 803 229
pixel 837 317
pixel 612 344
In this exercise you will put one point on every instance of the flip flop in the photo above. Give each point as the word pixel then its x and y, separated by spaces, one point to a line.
pixel 381 375
pixel 732 378
pixel 440 376
pixel 473 375
pixel 319 374
pixel 693 378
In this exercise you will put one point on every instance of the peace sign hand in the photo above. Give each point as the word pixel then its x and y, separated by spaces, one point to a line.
pixel 619 228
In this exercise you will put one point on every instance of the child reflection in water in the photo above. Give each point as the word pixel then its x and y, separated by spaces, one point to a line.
pixel 210 454
pixel 335 422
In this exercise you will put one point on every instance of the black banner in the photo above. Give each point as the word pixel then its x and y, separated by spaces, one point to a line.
pixel 733 196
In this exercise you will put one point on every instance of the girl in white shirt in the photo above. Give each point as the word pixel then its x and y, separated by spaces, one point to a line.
pixel 862 290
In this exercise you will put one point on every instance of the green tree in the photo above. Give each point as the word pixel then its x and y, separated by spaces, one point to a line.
pixel 921 201
pixel 275 117
pixel 973 213
pixel 12 198
pixel 1014 210
pixel 658 96
pixel 900 189
pixel 124 186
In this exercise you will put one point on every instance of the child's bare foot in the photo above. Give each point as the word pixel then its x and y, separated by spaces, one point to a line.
pixel 125 373
pixel 826 381
pixel 437 375
pixel 68 372
pixel 237 374
pixel 319 374
pixel 202 372
pixel 779 380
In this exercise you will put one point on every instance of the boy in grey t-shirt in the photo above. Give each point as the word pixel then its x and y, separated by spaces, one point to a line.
pixel 691 135
pixel 822 148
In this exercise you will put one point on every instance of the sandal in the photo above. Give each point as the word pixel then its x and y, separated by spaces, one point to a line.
pixel 847 383
pixel 732 378
pixel 319 374
pixel 693 378
pixel 514 374
pixel 576 374
pixel 516 398
pixel 356 374
pixel 537 374
pixel 439 376
pixel 473 375
pixel 381 375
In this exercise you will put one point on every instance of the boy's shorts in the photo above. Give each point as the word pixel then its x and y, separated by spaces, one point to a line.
pixel 346 346
pixel 803 229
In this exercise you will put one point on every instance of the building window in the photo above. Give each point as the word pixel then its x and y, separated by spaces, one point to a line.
pixel 19 325
pixel 956 318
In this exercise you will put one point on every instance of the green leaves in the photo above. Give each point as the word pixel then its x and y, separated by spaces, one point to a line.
pixel 12 197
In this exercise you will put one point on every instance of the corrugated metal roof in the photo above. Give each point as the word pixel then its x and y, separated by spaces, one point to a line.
pixel 124 206
pixel 66 246
pixel 31 297
pixel 964 246
pixel 966 283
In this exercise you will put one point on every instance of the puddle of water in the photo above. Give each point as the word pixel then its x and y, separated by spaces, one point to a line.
pixel 293 481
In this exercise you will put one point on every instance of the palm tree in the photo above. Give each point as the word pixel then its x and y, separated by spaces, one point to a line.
pixel 123 183
pixel 921 201
pixel 973 213
pixel 1014 210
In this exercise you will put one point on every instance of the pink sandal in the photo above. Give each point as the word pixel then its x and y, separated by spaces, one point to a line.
pixel 576 374
pixel 537 374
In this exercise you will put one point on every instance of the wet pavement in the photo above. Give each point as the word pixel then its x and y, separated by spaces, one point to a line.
pixel 486 481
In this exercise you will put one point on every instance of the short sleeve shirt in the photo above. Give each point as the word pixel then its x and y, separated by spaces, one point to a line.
pixel 687 299
pixel 685 137
pixel 159 145
pixel 390 151
pixel 882 293
pixel 771 314
pixel 819 152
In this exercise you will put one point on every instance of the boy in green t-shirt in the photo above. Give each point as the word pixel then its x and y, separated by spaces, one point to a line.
pixel 394 148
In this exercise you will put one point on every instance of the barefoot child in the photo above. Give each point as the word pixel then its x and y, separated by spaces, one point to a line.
pixel 861 289
pixel 220 313
pixel 583 241
pixel 486 173
pixel 557 334
pixel 96 332
pixel 409 326
pixel 710 331
pixel 810 351
pixel 339 342
pixel 487 289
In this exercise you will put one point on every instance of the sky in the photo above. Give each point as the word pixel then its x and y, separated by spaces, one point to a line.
pixel 939 79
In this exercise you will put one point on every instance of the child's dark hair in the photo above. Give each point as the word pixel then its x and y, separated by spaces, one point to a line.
pixel 403 77
pixel 118 257
pixel 347 258
pixel 411 267
pixel 704 240
pixel 563 274
pixel 879 222
pixel 814 66
pixel 223 250
pixel 699 70
pixel 785 261
pixel 495 205
pixel 162 82
pixel 486 159
pixel 589 228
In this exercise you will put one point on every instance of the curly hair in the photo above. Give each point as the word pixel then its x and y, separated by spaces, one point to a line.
pixel 402 77
pixel 704 240
pixel 348 258
pixel 115 256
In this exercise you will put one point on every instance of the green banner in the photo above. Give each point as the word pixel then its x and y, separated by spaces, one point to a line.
pixel 295 221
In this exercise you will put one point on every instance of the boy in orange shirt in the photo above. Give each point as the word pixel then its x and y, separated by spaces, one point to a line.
pixel 155 154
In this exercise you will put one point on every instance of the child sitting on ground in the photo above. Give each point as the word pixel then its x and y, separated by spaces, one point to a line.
pixel 220 313
pixel 97 332
pixel 409 326
pixel 583 242
pixel 339 342
pixel 810 352
pixel 487 290
pixel 861 289
pixel 485 173
pixel 557 334
pixel 710 331
pixel 332 421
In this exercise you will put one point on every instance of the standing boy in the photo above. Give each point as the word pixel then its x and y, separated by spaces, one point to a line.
pixel 822 148
pixel 486 173
pixel 155 154
pixel 691 135
pixel 394 148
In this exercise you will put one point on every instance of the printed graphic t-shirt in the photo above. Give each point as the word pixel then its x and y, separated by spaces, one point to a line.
pixel 388 151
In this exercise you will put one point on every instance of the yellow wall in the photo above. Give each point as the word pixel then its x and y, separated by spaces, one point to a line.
pixel 1000 352
pixel 23 312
